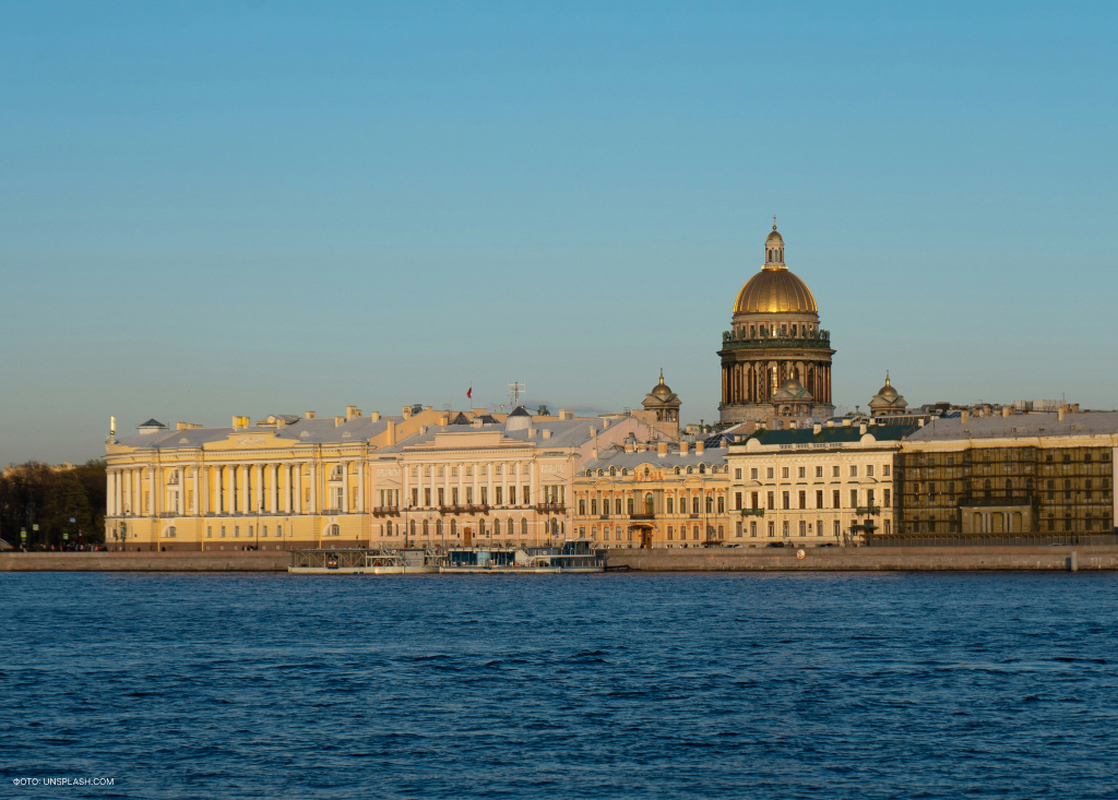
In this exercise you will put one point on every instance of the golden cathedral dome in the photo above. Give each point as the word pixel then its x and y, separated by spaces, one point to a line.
pixel 774 236
pixel 775 290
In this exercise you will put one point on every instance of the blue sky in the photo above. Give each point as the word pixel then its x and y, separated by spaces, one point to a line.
pixel 218 209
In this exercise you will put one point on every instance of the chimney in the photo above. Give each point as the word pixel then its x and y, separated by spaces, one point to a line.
pixel 427 408
pixel 391 433
pixel 862 429
pixel 375 416
pixel 566 414
pixel 817 429
pixel 605 424
pixel 182 426
pixel 1075 408
pixel 830 423
pixel 630 447
pixel 444 419
pixel 351 412
pixel 1007 411
pixel 965 416
pixel 407 412
pixel 846 422
pixel 698 448
pixel 338 421
pixel 547 433
pixel 531 433
pixel 641 447
pixel 593 431
pixel 310 415
pixel 684 447
pixel 661 449
pixel 1060 414
pixel 920 422
pixel 477 423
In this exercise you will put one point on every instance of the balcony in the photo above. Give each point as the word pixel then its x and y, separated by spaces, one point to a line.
pixel 386 511
pixel 820 341
pixel 603 516
pixel 996 500
pixel 866 511
pixel 753 512
pixel 550 508
pixel 477 508
pixel 642 516
pixel 867 526
pixel 454 509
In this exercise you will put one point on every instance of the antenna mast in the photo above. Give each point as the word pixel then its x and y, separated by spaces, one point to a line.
pixel 516 388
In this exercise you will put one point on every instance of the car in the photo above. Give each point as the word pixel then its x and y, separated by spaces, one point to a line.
pixel 775 544
pixel 826 544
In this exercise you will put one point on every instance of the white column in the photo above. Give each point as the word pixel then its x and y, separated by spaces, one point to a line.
pixel 288 472
pixel 230 475
pixel 273 504
pixel 194 493
pixel 344 508
pixel 313 509
pixel 361 468
pixel 182 491
pixel 137 495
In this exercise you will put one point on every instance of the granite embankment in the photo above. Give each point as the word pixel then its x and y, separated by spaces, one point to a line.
pixel 260 561
pixel 838 559
pixel 854 559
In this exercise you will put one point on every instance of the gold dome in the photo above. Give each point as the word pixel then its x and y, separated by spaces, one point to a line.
pixel 775 290
pixel 774 236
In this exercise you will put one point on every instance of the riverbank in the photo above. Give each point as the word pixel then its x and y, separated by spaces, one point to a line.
pixel 836 559
pixel 102 561
pixel 860 559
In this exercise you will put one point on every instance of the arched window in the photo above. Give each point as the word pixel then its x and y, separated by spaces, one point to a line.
pixel 648 503
pixel 601 473
pixel 523 527
pixel 1008 486
pixel 624 472
pixel 689 470
pixel 702 469
pixel 413 528
pixel 629 506
pixel 453 528
pixel 647 472
pixel 612 471
pixel 334 530
pixel 710 504
pixel 481 527
pixel 439 528
pixel 336 473
pixel 426 530
pixel 677 470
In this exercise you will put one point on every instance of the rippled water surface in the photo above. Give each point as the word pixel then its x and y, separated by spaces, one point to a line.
pixel 665 686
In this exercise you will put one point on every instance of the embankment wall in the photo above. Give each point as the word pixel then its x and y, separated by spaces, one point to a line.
pixel 912 559
pixel 183 561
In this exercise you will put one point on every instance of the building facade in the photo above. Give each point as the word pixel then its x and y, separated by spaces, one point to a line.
pixel 825 484
pixel 776 360
pixel 653 494
pixel 1010 473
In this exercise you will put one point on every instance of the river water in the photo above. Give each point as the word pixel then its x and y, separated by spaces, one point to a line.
pixel 621 685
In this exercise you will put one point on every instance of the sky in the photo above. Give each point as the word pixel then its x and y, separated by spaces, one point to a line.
pixel 215 209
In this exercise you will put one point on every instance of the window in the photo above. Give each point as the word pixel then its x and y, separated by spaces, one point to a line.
pixel 753 473
pixel 710 504
pixel 803 528
pixel 753 497
pixel 582 506
pixel 648 503
pixel 695 505
pixel 236 531
pixel 869 470
pixel 772 529
pixel 737 501
pixel 209 532
pixel 498 494
pixel 593 506
pixel 454 472
pixel 853 498
pixel 819 472
pixel 787 500
pixel 772 501
pixel 671 505
pixel 671 533
pixel 737 474
pixel 835 471
pixel 770 473
pixel 803 472
pixel 753 529
pixel 629 505
pixel 616 505
pixel 853 470
pixel 738 530
pixel 527 494
pixel 803 499
pixel 819 498
pixel 335 530
pixel 835 502
pixel 886 469
pixel 784 472
pixel 888 499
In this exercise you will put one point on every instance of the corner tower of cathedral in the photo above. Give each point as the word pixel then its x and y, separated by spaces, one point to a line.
pixel 776 360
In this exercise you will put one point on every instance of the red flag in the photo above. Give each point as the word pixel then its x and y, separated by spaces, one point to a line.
pixel 470 391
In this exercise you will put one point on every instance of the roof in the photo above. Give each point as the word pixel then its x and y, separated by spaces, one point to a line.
pixel 775 290
pixel 309 431
pixel 1018 426
pixel 562 434
pixel 835 435
pixel 616 457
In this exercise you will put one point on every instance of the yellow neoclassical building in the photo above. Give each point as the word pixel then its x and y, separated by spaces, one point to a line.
pixel 284 482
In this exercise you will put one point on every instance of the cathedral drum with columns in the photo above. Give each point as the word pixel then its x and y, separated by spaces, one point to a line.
pixel 776 360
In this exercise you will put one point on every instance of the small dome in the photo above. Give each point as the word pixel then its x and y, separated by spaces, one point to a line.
pixel 792 385
pixel 774 236
pixel 661 389
pixel 887 390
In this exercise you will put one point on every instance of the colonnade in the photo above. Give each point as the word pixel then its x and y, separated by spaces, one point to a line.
pixel 753 381
pixel 257 487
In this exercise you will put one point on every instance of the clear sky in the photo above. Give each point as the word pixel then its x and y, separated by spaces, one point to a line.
pixel 209 209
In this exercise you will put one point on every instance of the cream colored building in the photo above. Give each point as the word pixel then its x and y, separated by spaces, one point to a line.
pixel 479 482
pixel 822 484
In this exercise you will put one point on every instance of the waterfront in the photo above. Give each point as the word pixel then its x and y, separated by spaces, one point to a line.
pixel 669 685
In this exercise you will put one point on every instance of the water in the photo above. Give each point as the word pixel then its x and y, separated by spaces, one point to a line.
pixel 662 686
